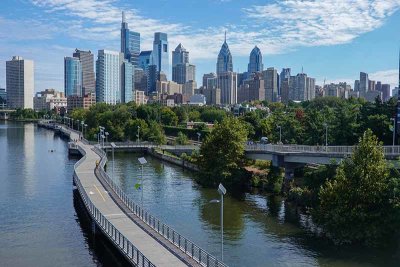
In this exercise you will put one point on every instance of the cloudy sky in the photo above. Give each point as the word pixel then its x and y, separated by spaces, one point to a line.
pixel 329 39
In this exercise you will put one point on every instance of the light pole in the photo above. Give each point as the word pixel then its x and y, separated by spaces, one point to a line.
pixel 142 161
pixel 222 192
pixel 394 132
pixel 198 137
pixel 280 134
pixel 113 146
pixel 138 134
pixel 101 129
pixel 82 124
pixel 326 135
pixel 85 130
pixel 106 133
pixel 72 124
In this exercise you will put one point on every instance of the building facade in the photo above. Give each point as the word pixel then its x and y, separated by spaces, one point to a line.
pixel 255 61
pixel 182 73
pixel 130 43
pixel 108 76
pixel 20 83
pixel 50 99
pixel 252 89
pixel 224 61
pixel 180 55
pixel 160 52
pixel 72 76
pixel 270 77
pixel 210 80
pixel 87 65
pixel 364 83
pixel 127 81
pixel 227 82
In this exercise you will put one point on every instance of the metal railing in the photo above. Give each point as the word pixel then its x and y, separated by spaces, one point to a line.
pixel 341 150
pixel 124 245
pixel 185 245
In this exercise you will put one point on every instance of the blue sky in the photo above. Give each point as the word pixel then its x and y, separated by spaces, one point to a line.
pixel 332 40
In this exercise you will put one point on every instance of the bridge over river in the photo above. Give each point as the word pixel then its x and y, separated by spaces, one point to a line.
pixel 139 236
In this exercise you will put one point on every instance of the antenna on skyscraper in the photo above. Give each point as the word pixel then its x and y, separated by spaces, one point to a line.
pixel 302 72
pixel 123 16
pixel 225 36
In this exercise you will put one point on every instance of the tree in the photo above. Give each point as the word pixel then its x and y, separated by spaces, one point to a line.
pixel 168 117
pixel 156 133
pixel 361 204
pixel 131 129
pixel 213 115
pixel 182 139
pixel 222 154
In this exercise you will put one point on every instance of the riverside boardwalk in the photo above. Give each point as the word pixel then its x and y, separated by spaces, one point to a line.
pixel 139 236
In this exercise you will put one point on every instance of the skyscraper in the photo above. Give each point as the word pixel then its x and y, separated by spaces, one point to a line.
pixel 255 62
pixel 224 61
pixel 227 82
pixel 145 59
pixel 271 84
pixel 127 81
pixel 160 53
pixel 364 83
pixel 72 77
pixel 210 80
pixel 182 73
pixel 19 83
pixel 88 75
pixel 130 43
pixel 285 74
pixel 108 76
pixel 180 55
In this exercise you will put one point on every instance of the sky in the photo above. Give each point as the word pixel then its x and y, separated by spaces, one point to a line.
pixel 330 40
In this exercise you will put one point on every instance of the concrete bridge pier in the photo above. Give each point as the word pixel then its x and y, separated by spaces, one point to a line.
pixel 289 170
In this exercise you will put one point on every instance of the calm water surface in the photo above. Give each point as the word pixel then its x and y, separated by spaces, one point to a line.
pixel 42 224
pixel 260 230
pixel 39 223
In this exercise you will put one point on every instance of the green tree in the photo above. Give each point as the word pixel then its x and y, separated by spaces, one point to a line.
pixel 182 139
pixel 361 203
pixel 222 154
pixel 156 133
pixel 131 129
pixel 168 117
pixel 213 115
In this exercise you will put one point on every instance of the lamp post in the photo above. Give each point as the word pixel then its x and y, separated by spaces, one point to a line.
pixel 394 132
pixel 138 134
pixel 142 161
pixel 101 129
pixel 326 135
pixel 280 134
pixel 222 192
pixel 72 123
pixel 113 146
pixel 198 137
pixel 106 133
pixel 82 124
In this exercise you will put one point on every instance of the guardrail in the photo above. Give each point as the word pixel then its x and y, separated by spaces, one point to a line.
pixel 124 245
pixel 342 150
pixel 185 245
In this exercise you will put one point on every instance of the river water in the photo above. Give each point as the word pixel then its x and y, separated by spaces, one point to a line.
pixel 42 224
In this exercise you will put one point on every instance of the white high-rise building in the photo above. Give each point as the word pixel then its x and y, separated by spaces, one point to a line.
pixel 108 76
pixel 20 83
pixel 227 82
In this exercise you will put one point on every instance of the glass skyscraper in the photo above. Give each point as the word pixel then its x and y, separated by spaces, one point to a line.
pixel 130 43
pixel 72 76
pixel 160 53
pixel 256 61
pixel 180 55
pixel 224 62
pixel 108 76
pixel 127 87
pixel 88 76
pixel 145 59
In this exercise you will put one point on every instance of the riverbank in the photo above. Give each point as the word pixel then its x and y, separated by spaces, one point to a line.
pixel 174 160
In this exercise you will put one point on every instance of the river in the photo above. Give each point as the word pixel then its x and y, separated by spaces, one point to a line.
pixel 41 223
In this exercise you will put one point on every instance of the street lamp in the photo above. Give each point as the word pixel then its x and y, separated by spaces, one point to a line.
pixel 222 192
pixel 85 130
pixel 326 135
pixel 280 134
pixel 106 133
pixel 138 134
pixel 101 129
pixel 198 137
pixel 82 124
pixel 113 146
pixel 394 130
pixel 142 161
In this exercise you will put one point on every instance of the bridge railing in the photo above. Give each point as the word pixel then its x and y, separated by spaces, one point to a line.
pixel 342 150
pixel 125 246
pixel 185 245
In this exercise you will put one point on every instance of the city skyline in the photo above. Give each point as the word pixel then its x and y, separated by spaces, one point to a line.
pixel 337 55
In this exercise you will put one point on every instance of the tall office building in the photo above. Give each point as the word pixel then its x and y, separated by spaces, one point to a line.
pixel 108 76
pixel 310 87
pixel 364 83
pixel 252 89
pixel 19 83
pixel 255 62
pixel 152 77
pixel 130 43
pixel 182 73
pixel 284 91
pixel 285 74
pixel 180 55
pixel 210 80
pixel 127 81
pixel 224 61
pixel 88 76
pixel 72 76
pixel 145 59
pixel 271 84
pixel 227 82
pixel 357 85
pixel 160 53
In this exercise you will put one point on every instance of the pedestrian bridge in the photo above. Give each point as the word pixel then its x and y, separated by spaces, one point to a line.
pixel 141 238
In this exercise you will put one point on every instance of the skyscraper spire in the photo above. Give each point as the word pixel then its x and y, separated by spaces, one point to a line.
pixel 123 17
pixel 225 36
